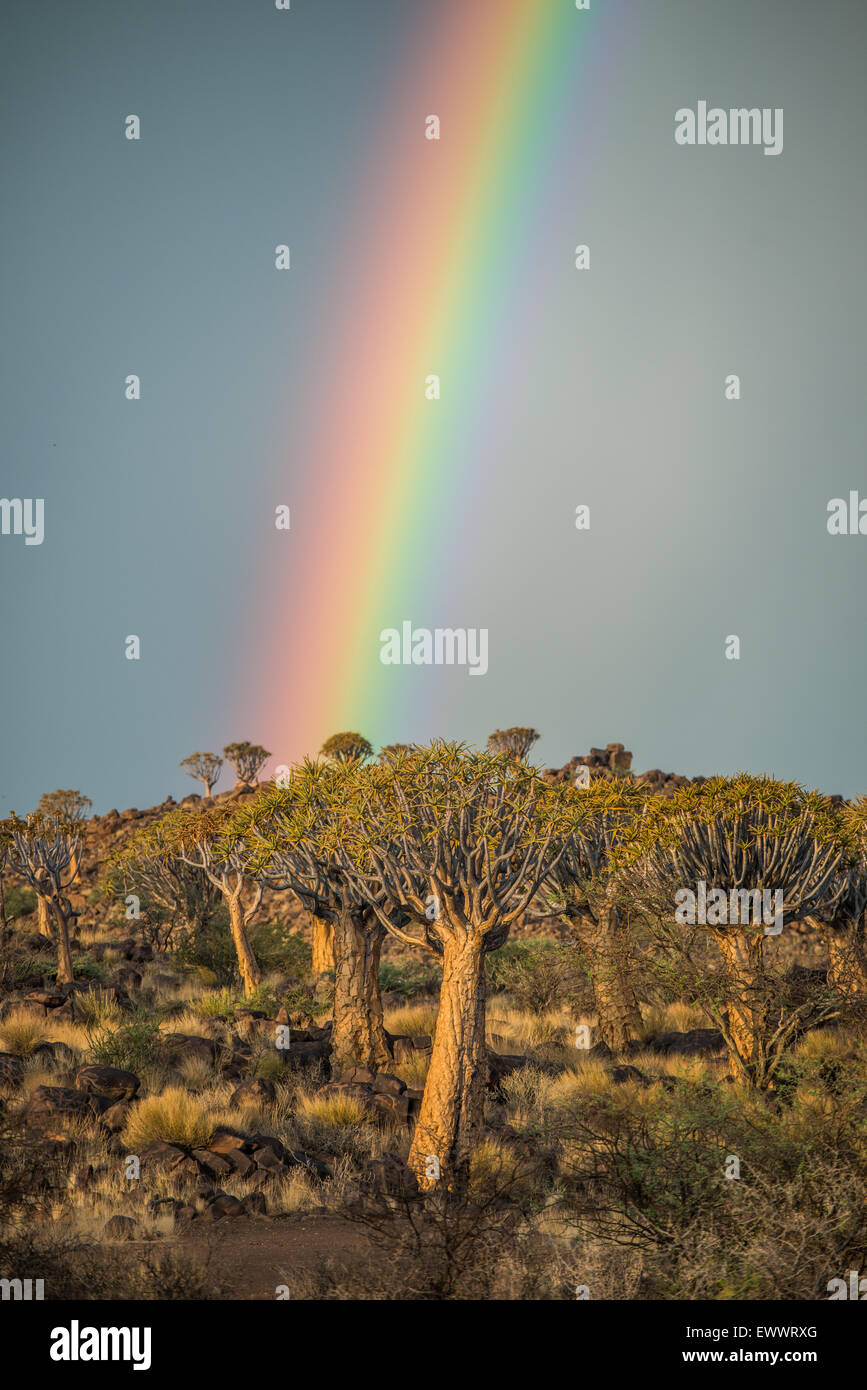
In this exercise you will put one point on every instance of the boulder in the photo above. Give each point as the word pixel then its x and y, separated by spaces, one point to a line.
pixel 697 1042
pixel 52 1109
pixel 160 1154
pixel 11 1069
pixel 116 1116
pixel 259 1091
pixel 107 1081
pixel 120 1228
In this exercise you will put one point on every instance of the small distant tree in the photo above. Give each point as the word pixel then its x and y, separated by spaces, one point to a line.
pixel 67 807
pixel 458 843
pixel 346 748
pixel 203 767
pixel 246 759
pixel 41 851
pixel 516 742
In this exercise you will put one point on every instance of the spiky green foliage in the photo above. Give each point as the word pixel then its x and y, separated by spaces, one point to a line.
pixel 448 835
pixel 290 836
pixel 744 832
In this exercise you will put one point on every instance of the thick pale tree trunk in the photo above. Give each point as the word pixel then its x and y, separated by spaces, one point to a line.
pixel 746 1003
pixel 452 1108
pixel 606 948
pixel 358 1037
pixel 44 915
pixel 247 963
pixel 65 974
pixel 323 945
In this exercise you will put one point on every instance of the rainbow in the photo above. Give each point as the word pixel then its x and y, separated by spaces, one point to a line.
pixel 439 237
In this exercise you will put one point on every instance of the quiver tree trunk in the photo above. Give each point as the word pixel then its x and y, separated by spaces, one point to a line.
pixel 452 1108
pixel 323 945
pixel 65 974
pixel 44 915
pixel 605 945
pixel 358 1035
pixel 745 1026
pixel 247 963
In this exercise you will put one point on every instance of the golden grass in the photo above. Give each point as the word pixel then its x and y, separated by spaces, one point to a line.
pixel 333 1112
pixel 413 1071
pixel 22 1032
pixel 412 1020
pixel 671 1018
pixel 176 1116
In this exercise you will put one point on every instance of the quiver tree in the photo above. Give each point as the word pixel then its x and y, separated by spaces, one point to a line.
pixel 845 919
pixel 346 748
pixel 390 751
pixel 459 843
pixel 516 742
pixel 715 850
pixel 585 892
pixel 148 867
pixel 68 807
pixel 290 835
pixel 42 850
pixel 203 767
pixel 247 759
pixel 207 840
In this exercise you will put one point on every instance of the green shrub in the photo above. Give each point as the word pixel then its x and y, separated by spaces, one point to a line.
pixel 131 1046
pixel 538 974
pixel 20 902
pixel 408 980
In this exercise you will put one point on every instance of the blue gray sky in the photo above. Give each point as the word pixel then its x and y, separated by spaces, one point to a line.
pixel 708 517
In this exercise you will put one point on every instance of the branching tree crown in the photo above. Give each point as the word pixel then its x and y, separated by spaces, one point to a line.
pixel 450 836
pixel 148 866
pixel 347 748
pixel 516 742
pixel 204 767
pixel 246 759
pixel 744 832
pixel 64 806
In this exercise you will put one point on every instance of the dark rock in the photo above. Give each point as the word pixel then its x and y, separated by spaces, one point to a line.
pixel 259 1091
pixel 389 1176
pixel 11 1069
pixel 52 1109
pixel 386 1084
pixel 697 1042
pixel 120 1228
pixel 160 1154
pixel 216 1165
pixel 107 1081
pixel 621 1075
